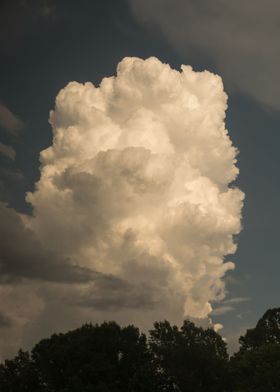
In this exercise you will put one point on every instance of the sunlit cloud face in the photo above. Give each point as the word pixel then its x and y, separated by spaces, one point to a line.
pixel 136 182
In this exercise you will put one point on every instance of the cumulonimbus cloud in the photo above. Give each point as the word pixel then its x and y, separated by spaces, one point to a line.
pixel 133 213
pixel 136 183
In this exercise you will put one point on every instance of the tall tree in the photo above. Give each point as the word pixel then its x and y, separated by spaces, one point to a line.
pixel 19 374
pixel 192 358
pixel 99 358
pixel 266 331
pixel 256 366
pixel 256 370
pixel 108 358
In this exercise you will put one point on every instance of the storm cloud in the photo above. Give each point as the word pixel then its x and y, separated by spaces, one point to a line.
pixel 133 213
pixel 23 257
pixel 136 182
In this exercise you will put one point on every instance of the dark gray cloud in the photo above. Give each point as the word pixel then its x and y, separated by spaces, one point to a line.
pixel 241 38
pixel 5 322
pixel 22 256
pixel 42 292
pixel 110 293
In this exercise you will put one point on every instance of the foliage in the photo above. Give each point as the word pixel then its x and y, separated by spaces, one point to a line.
pixel 256 370
pixel 19 374
pixel 96 358
pixel 256 367
pixel 109 358
pixel 266 331
pixel 194 358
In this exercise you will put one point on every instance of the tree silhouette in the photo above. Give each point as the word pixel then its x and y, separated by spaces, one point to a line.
pixel 111 358
pixel 108 358
pixel 256 367
pixel 266 331
pixel 103 357
pixel 19 374
pixel 192 358
pixel 256 370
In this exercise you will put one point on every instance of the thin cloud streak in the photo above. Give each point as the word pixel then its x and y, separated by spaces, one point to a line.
pixel 9 121
pixel 7 151
pixel 237 300
pixel 222 310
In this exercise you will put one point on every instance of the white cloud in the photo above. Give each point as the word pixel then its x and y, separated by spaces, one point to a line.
pixel 240 37
pixel 136 188
pixel 136 182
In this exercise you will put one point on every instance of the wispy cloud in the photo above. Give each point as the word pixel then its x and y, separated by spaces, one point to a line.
pixel 7 151
pixel 228 305
pixel 9 121
pixel 14 174
pixel 236 300
pixel 222 310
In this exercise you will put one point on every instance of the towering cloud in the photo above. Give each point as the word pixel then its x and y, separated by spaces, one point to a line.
pixel 135 192
pixel 136 182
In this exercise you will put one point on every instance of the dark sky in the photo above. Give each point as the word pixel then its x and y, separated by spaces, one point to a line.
pixel 46 44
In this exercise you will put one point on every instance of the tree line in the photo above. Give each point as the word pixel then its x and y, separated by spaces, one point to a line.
pixel 111 358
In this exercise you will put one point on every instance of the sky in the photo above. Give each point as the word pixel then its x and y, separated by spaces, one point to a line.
pixel 141 190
